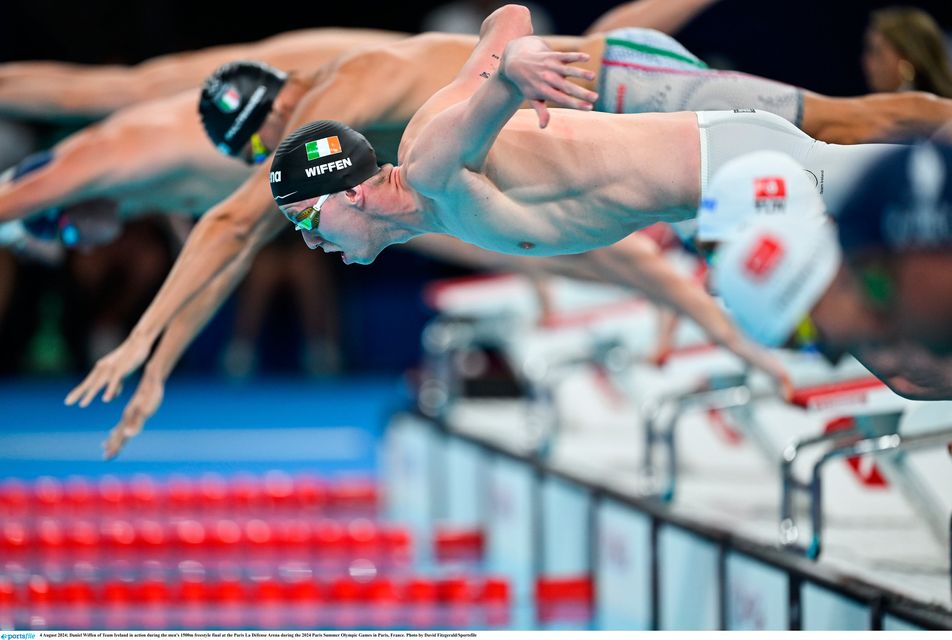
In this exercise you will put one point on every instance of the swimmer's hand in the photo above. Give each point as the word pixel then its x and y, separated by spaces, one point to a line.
pixel 762 359
pixel 142 406
pixel 541 75
pixel 110 371
pixel 766 362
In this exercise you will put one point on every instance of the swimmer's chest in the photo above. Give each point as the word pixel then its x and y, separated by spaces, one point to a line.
pixel 524 221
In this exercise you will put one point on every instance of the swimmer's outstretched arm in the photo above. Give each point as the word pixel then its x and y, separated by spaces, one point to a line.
pixel 635 263
pixel 879 117
pixel 59 91
pixel 231 232
pixel 64 92
pixel 463 119
pixel 667 16
pixel 76 167
pixel 248 219
pixel 147 398
pixel 128 148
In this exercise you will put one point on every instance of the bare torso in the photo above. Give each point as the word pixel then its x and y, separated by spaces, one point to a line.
pixel 586 181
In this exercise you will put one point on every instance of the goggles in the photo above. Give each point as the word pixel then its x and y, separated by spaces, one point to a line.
pixel 806 336
pixel 310 218
pixel 259 152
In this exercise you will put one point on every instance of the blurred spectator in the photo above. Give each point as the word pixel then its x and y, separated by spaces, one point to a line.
pixel 17 141
pixel 109 288
pixel 8 274
pixel 307 275
pixel 905 50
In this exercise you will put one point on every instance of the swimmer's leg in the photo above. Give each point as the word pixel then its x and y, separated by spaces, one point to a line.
pixel 646 71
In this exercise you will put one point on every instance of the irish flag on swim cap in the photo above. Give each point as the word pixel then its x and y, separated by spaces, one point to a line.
pixel 319 159
pixel 322 148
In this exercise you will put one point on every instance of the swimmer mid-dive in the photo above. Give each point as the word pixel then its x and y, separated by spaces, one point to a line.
pixel 473 166
pixel 377 91
pixel 243 228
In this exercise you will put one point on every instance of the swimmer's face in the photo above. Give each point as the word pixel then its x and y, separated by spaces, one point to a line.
pixel 843 318
pixel 343 228
pixel 881 62
pixel 255 151
pixel 272 130
pixel 812 334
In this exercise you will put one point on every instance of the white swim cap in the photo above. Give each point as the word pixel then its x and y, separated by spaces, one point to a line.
pixel 772 273
pixel 763 182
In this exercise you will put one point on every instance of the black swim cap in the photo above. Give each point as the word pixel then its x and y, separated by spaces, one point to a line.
pixel 49 223
pixel 235 101
pixel 319 159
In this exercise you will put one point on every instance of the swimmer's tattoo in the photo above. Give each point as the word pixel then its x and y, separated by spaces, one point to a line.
pixel 495 65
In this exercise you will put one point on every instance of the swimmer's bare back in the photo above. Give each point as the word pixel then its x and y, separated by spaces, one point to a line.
pixel 586 181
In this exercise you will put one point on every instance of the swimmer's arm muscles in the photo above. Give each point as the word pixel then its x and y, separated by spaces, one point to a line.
pixel 502 26
pixel 79 168
pixel 636 262
pixel 633 262
pixel 667 16
pixel 188 322
pixel 461 137
pixel 234 229
pixel 64 91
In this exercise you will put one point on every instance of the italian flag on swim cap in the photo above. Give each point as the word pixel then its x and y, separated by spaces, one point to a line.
pixel 229 99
